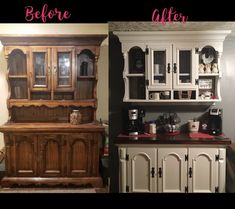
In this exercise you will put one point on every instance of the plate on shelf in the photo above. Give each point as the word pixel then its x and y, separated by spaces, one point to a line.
pixel 208 54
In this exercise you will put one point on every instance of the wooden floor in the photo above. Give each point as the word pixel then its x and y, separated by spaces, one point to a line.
pixel 53 190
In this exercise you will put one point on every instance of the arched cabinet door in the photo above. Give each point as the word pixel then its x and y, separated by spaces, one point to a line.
pixel 141 170
pixel 17 72
pixel 51 155
pixel 86 71
pixel 203 170
pixel 172 170
pixel 79 154
pixel 25 155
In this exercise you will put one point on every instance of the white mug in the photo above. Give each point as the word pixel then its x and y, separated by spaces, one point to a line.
pixel 154 96
pixel 193 126
pixel 152 128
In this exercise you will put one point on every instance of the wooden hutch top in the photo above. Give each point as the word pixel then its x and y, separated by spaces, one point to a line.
pixel 46 79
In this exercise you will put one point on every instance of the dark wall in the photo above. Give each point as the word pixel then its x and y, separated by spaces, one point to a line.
pixel 116 92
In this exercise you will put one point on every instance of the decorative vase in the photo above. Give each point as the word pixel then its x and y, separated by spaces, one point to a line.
pixel 75 117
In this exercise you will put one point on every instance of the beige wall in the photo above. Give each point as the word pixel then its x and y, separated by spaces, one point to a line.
pixel 102 87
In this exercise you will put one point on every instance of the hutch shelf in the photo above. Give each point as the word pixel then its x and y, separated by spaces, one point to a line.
pixel 48 77
pixel 172 66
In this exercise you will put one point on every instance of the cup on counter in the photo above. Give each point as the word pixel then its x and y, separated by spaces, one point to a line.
pixel 193 126
pixel 152 128
pixel 154 96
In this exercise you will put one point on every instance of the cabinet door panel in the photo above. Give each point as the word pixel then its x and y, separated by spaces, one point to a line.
pixel 40 66
pixel 184 66
pixel 141 169
pixel 63 68
pixel 25 155
pixel 172 169
pixel 79 155
pixel 51 155
pixel 203 169
pixel 135 71
pixel 160 67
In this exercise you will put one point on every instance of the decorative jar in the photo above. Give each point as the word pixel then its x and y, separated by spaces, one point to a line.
pixel 75 117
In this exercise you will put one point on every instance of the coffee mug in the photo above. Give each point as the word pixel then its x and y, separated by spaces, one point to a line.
pixel 193 126
pixel 152 128
pixel 165 94
pixel 154 96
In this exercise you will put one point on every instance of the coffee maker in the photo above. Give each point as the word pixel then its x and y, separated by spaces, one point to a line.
pixel 215 121
pixel 133 121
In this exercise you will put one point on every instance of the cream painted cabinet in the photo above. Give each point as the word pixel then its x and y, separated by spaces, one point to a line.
pixel 148 169
pixel 141 170
pixel 172 66
pixel 206 169
pixel 172 166
pixel 171 169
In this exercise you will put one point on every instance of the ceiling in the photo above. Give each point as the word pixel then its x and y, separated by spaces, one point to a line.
pixel 174 26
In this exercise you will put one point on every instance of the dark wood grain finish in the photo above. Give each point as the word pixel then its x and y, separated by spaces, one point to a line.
pixel 25 155
pixel 51 127
pixel 51 104
pixel 51 155
pixel 179 139
pixel 53 40
pixel 52 181
pixel 44 114
pixel 79 149
pixel 57 158
pixel 45 86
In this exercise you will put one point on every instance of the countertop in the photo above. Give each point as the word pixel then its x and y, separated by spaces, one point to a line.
pixel 177 139
pixel 50 127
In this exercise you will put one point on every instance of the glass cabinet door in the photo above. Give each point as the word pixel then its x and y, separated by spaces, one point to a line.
pixel 184 67
pixel 160 67
pixel 40 69
pixel 86 74
pixel 136 58
pixel 18 79
pixel 135 70
pixel 62 68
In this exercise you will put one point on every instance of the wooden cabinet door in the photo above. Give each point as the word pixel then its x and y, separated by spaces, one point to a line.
pixel 202 170
pixel 172 169
pixel 40 68
pixel 141 169
pixel 51 154
pixel 79 154
pixel 63 68
pixel 25 156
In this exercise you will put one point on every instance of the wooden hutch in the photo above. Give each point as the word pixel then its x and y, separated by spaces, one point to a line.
pixel 48 77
